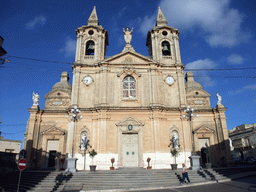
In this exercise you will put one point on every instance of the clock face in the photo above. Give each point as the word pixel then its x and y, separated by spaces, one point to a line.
pixel 169 80
pixel 87 80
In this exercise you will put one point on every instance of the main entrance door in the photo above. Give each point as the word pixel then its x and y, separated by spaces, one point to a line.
pixel 204 147
pixel 51 160
pixel 130 150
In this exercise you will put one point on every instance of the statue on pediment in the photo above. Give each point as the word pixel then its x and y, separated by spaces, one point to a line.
pixel 127 35
pixel 35 98
pixel 219 98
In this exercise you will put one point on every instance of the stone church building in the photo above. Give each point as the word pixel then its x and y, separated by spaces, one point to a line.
pixel 132 107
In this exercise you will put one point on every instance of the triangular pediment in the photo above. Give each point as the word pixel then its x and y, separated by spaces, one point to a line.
pixel 204 129
pixel 53 131
pixel 128 57
pixel 130 120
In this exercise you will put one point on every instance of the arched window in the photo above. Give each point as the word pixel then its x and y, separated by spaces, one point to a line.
pixel 90 47
pixel 129 87
pixel 166 50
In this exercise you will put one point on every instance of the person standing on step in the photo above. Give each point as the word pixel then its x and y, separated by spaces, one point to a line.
pixel 184 173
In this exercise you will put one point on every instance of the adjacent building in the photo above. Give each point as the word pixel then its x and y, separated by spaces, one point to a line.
pixel 243 141
pixel 132 106
pixel 9 152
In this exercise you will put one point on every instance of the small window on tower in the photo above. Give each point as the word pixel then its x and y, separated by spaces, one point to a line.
pixel 166 48
pixel 90 47
pixel 90 32
pixel 164 33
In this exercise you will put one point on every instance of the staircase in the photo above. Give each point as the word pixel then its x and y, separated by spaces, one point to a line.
pixel 105 180
pixel 229 172
pixel 117 179
pixel 29 179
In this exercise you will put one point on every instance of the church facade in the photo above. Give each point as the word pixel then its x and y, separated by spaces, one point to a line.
pixel 132 107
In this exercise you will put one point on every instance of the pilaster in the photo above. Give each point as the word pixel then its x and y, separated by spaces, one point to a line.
pixel 79 46
pixel 76 84
pixel 102 122
pixel 103 85
pixel 154 85
pixel 32 124
pixel 181 87
pixel 154 46
pixel 177 48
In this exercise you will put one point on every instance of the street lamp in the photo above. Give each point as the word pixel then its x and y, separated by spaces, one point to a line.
pixel 194 158
pixel 189 117
pixel 74 116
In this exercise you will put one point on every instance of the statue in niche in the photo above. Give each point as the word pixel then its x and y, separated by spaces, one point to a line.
pixel 127 35
pixel 219 98
pixel 175 140
pixel 84 142
pixel 35 98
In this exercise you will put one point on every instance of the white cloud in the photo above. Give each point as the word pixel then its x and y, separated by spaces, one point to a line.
pixel 148 23
pixel 235 59
pixel 70 47
pixel 220 24
pixel 245 88
pixel 37 21
pixel 121 13
pixel 202 77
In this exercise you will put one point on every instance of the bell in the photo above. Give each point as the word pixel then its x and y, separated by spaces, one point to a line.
pixel 90 48
pixel 165 48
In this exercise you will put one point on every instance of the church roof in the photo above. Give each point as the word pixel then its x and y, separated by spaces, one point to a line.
pixel 63 84
pixel 191 83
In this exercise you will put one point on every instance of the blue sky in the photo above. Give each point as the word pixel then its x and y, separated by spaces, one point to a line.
pixel 214 34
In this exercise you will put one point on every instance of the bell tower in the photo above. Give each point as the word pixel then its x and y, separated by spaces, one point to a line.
pixel 163 42
pixel 92 41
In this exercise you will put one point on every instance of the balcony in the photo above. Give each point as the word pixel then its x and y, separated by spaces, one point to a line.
pixel 89 57
pixel 167 57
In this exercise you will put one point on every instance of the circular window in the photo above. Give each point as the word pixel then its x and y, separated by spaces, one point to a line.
pixel 90 32
pixel 197 93
pixel 164 33
pixel 58 93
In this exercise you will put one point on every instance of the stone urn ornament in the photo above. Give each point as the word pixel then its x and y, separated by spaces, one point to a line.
pixel 148 160
pixel 112 161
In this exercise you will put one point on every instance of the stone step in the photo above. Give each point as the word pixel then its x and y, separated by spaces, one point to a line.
pixel 116 179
